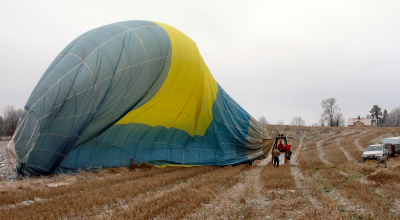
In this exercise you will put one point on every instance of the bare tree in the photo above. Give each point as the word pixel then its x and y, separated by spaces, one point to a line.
pixel 321 122
pixel 280 122
pixel 263 120
pixel 11 117
pixel 339 120
pixel 1 127
pixel 298 121
pixel 331 116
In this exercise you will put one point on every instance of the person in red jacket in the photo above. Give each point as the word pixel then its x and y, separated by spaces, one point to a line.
pixel 288 151
pixel 288 147
pixel 281 147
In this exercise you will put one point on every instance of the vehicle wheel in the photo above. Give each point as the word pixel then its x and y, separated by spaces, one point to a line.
pixel 364 159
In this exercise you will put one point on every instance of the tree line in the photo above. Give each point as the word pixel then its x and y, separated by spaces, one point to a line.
pixel 9 121
pixel 383 118
pixel 330 117
pixel 333 117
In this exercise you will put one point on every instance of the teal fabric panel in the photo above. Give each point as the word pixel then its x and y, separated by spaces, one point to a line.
pixel 92 83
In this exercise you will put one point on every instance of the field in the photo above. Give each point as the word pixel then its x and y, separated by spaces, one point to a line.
pixel 324 180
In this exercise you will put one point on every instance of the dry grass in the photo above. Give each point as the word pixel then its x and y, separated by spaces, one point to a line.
pixel 277 178
pixel 80 198
pixel 327 183
pixel 176 204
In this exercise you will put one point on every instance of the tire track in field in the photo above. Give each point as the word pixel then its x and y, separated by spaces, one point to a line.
pixel 293 160
pixel 321 153
pixel 339 141
pixel 298 176
pixel 348 156
pixel 321 150
pixel 356 141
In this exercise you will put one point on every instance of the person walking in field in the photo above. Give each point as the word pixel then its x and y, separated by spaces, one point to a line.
pixel 275 155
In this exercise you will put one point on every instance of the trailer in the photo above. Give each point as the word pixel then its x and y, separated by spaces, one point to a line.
pixel 285 154
pixel 393 145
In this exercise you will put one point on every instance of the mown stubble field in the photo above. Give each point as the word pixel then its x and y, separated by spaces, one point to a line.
pixel 322 181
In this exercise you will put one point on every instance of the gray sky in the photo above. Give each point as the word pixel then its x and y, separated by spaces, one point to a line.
pixel 278 58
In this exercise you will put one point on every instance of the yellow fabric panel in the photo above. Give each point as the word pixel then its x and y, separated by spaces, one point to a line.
pixel 186 98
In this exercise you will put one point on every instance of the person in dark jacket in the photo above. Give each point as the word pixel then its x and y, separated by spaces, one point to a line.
pixel 275 154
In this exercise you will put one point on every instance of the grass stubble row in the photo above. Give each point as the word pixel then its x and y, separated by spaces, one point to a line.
pixel 176 204
pixel 279 188
pixel 324 206
pixel 83 196
pixel 31 188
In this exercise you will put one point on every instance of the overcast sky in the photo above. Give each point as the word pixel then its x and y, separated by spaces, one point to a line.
pixel 278 58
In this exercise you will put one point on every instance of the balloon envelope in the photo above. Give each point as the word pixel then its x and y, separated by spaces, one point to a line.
pixel 134 89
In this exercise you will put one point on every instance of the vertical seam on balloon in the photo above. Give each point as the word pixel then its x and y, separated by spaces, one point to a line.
pixel 144 48
pixel 22 127
pixel 34 130
pixel 154 142
pixel 204 75
pixel 105 156
pixel 25 158
pixel 125 142
pixel 179 41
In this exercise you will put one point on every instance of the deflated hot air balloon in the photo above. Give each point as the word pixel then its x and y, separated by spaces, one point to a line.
pixel 133 89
